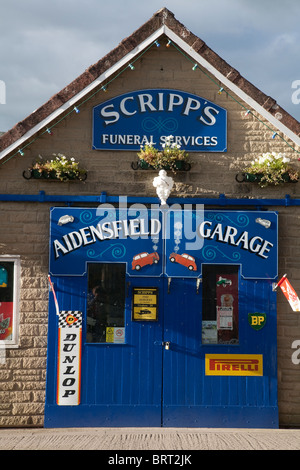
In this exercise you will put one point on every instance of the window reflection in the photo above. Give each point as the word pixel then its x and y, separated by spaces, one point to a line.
pixel 106 303
pixel 220 313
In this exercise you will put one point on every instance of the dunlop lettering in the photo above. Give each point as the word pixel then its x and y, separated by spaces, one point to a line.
pixel 69 365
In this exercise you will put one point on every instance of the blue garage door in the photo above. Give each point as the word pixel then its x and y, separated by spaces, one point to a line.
pixel 155 375
pixel 165 339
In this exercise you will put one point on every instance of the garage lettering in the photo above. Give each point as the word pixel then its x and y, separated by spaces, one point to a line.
pixel 230 235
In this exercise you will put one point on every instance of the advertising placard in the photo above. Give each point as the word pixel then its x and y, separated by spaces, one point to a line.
pixel 145 304
pixel 69 358
pixel 234 364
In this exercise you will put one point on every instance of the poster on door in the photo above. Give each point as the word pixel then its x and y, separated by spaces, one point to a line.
pixel 227 306
pixel 145 304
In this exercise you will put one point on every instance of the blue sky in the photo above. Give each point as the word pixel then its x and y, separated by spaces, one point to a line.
pixel 46 44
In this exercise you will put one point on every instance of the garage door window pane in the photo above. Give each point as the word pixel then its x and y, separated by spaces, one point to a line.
pixel 220 309
pixel 106 303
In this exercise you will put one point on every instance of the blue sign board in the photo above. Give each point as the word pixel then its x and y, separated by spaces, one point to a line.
pixel 158 243
pixel 195 238
pixel 107 235
pixel 129 121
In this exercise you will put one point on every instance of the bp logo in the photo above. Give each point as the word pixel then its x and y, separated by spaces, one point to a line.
pixel 257 320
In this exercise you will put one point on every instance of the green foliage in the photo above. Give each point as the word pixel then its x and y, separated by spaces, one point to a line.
pixel 272 168
pixel 60 167
pixel 167 158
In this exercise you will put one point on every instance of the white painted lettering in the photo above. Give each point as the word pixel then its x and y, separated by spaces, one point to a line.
pixel 146 102
pixel 217 231
pixel 201 229
pixel 229 235
pixel 255 248
pixel 123 108
pixel 59 247
pixel 209 112
pixel 109 114
pixel 265 248
pixel 174 100
pixel 191 105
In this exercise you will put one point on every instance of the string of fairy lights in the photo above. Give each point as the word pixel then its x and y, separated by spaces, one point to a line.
pixel 196 67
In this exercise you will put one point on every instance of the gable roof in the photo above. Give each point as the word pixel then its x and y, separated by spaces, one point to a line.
pixel 162 22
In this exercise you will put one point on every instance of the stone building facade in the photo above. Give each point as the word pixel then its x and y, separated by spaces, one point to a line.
pixel 25 203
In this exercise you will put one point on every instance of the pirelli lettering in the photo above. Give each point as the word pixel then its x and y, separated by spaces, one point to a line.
pixel 233 364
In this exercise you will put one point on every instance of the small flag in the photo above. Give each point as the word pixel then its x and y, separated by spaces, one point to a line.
pixel 54 295
pixel 289 293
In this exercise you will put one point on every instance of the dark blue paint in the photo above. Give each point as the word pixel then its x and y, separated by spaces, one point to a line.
pixel 221 201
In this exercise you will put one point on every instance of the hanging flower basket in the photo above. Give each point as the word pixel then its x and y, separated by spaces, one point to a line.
pixel 178 165
pixel 171 157
pixel 269 169
pixel 58 169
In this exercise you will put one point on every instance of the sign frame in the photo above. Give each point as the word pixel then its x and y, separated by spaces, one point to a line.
pixel 234 365
pixel 127 121
pixel 141 300
pixel 69 344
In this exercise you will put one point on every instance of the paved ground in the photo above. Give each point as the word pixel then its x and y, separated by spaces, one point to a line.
pixel 141 439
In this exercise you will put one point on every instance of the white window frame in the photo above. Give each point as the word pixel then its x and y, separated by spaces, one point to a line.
pixel 14 342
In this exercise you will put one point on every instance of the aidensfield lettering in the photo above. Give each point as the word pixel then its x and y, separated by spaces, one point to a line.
pixel 229 235
pixel 105 231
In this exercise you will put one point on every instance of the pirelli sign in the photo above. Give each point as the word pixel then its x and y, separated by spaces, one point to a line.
pixel 234 364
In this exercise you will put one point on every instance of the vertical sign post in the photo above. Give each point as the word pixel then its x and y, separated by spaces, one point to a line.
pixel 69 357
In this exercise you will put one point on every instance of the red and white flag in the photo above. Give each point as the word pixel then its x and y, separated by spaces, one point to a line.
pixel 54 295
pixel 289 293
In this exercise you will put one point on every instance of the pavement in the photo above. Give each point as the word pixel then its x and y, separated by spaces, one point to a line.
pixel 148 439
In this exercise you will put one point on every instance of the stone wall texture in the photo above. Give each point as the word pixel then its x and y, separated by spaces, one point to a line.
pixel 25 225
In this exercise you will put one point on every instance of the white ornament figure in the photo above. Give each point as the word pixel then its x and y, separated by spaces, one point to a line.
pixel 163 185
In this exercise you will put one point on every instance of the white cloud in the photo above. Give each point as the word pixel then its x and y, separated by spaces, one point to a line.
pixel 45 45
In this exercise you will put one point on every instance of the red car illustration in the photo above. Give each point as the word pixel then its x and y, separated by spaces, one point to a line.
pixel 143 259
pixel 184 259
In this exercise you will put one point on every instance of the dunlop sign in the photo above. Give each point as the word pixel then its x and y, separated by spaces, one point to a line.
pixel 234 364
pixel 134 119
pixel 69 358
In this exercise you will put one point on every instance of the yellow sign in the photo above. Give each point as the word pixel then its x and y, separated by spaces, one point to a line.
pixel 109 334
pixel 115 334
pixel 145 303
pixel 234 364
